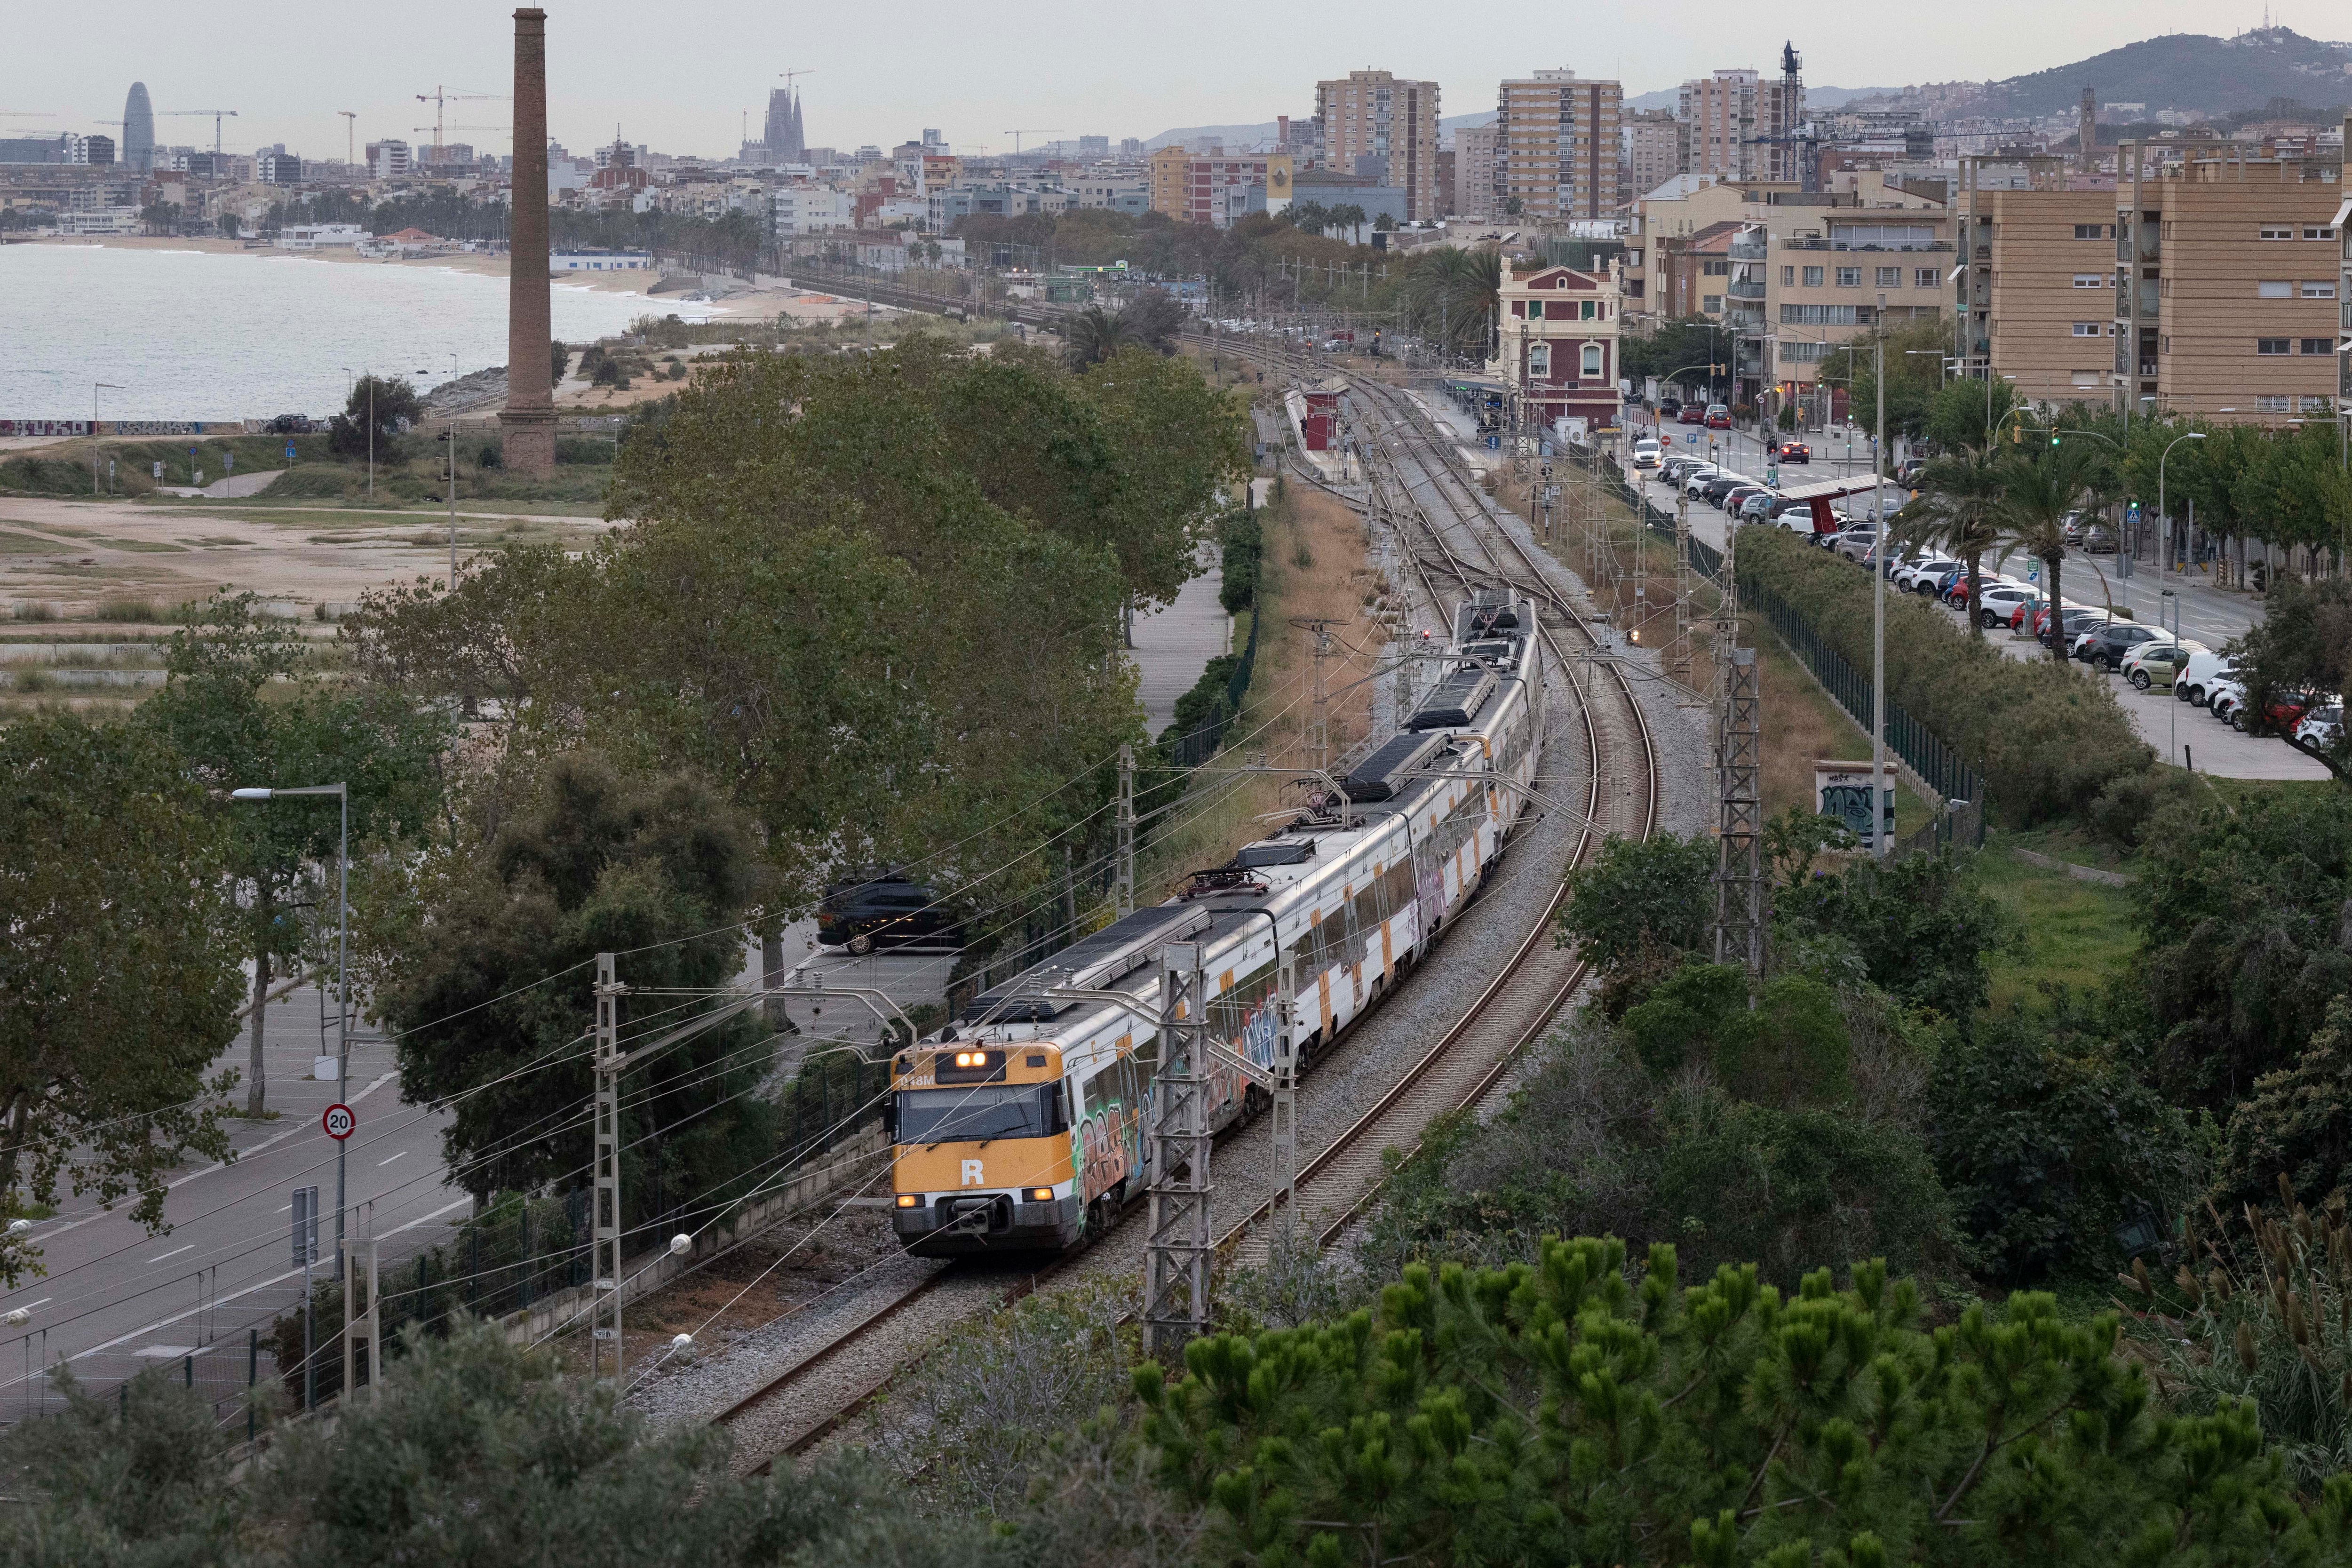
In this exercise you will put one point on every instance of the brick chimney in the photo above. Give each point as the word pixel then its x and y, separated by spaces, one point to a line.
pixel 527 421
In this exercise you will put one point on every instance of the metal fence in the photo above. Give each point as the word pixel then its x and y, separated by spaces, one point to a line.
pixel 1929 756
pixel 1200 745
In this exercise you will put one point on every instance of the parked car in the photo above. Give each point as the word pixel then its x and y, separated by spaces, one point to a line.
pixel 1798 452
pixel 888 910
pixel 2002 601
pixel 2224 697
pixel 1647 453
pixel 2201 674
pixel 290 424
pixel 2156 666
pixel 1722 485
pixel 1692 413
pixel 2109 644
pixel 2099 540
pixel 1854 544
pixel 1907 472
pixel 1696 480
pixel 2074 625
pixel 1760 508
pixel 2279 717
pixel 1919 576
pixel 1673 468
pixel 2070 527
pixel 1718 417
pixel 2323 726
pixel 1736 496
pixel 1670 406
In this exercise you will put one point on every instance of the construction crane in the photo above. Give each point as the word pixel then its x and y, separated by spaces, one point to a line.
pixel 219 115
pixel 441 98
pixel 789 75
pixel 1031 130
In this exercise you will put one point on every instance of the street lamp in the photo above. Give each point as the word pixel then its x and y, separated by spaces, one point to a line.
pixel 2161 510
pixel 342 958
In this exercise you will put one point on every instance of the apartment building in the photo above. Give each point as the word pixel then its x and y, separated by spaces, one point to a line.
pixel 1650 152
pixel 1374 123
pixel 1835 274
pixel 1558 348
pixel 1214 189
pixel 1736 124
pixel 2049 274
pixel 2228 283
pixel 1474 174
pixel 1556 153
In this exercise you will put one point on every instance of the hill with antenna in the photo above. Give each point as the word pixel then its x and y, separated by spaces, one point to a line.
pixel 2195 73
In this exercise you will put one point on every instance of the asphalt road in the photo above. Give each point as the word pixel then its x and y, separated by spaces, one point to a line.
pixel 116 1299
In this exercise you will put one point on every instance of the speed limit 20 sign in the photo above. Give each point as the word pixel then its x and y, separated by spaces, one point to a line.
pixel 338 1121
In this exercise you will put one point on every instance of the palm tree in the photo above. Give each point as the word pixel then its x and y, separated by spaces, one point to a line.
pixel 2038 495
pixel 1350 217
pixel 1094 335
pixel 1957 510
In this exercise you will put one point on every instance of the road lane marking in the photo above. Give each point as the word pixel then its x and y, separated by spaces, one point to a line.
pixel 173 1253
pixel 380 1164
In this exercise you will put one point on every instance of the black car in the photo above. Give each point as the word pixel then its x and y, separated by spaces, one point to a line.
pixel 884 911
pixel 2110 645
pixel 1670 405
pixel 291 424
pixel 1721 486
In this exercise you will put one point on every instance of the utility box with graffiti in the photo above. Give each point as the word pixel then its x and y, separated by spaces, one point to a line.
pixel 1843 790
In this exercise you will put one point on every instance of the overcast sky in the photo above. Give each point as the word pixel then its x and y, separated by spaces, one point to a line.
pixel 680 76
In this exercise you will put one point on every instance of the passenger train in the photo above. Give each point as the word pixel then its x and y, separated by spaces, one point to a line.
pixel 1023 1125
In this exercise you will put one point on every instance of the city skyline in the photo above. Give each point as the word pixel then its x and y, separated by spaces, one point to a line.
pixel 980 82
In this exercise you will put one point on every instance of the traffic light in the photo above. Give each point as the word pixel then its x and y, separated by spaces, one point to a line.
pixel 2053 438
pixel 2016 435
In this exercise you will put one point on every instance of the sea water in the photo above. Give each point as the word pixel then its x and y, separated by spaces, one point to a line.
pixel 190 334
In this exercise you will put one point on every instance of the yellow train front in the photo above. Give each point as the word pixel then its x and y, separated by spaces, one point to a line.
pixel 985 1159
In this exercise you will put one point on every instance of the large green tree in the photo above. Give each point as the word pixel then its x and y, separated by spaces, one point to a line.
pixel 486 971
pixel 119 977
pixel 1554 1412
pixel 246 706
pixel 2039 494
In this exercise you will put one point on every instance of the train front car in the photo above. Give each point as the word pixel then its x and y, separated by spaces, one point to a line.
pixel 983 1160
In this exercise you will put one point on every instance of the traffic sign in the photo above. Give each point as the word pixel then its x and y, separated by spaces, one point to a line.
pixel 290 451
pixel 338 1121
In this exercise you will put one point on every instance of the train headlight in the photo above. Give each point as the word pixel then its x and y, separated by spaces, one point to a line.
pixel 971 1058
pixel 909 1201
pixel 1041 1194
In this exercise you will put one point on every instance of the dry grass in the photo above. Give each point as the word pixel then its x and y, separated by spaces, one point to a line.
pixel 1314 568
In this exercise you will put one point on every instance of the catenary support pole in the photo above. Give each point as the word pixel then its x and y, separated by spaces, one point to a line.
pixel 1881 798
pixel 1285 1109
pixel 1178 1236
pixel 604 1261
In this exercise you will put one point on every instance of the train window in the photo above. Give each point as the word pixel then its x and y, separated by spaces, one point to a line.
pixel 957 1115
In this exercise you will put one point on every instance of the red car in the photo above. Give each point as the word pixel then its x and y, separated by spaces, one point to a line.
pixel 1692 413
pixel 1718 419
pixel 1796 452
pixel 2283 712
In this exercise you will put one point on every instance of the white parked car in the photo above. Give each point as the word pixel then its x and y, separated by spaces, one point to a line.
pixel 1918 575
pixel 2206 672
pixel 2223 697
pixel 2000 601
pixel 2323 726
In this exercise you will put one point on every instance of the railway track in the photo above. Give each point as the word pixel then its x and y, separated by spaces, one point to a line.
pixel 810 1399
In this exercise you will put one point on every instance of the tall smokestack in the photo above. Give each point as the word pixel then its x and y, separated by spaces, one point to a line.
pixel 2087 153
pixel 527 421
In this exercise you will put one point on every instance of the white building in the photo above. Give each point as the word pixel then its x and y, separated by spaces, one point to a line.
pixel 600 261
pixel 387 160
pixel 810 209
pixel 99 221
pixel 321 235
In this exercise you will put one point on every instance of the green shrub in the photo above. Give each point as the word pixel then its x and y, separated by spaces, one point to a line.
pixel 584 449
pixel 315 482
pixel 2048 740
pixel 2049 1138
pixel 1242 541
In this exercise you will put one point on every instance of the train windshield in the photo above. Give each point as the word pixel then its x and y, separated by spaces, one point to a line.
pixel 991 1111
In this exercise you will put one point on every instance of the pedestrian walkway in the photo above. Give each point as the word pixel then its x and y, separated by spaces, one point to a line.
pixel 1175 642
pixel 234 486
